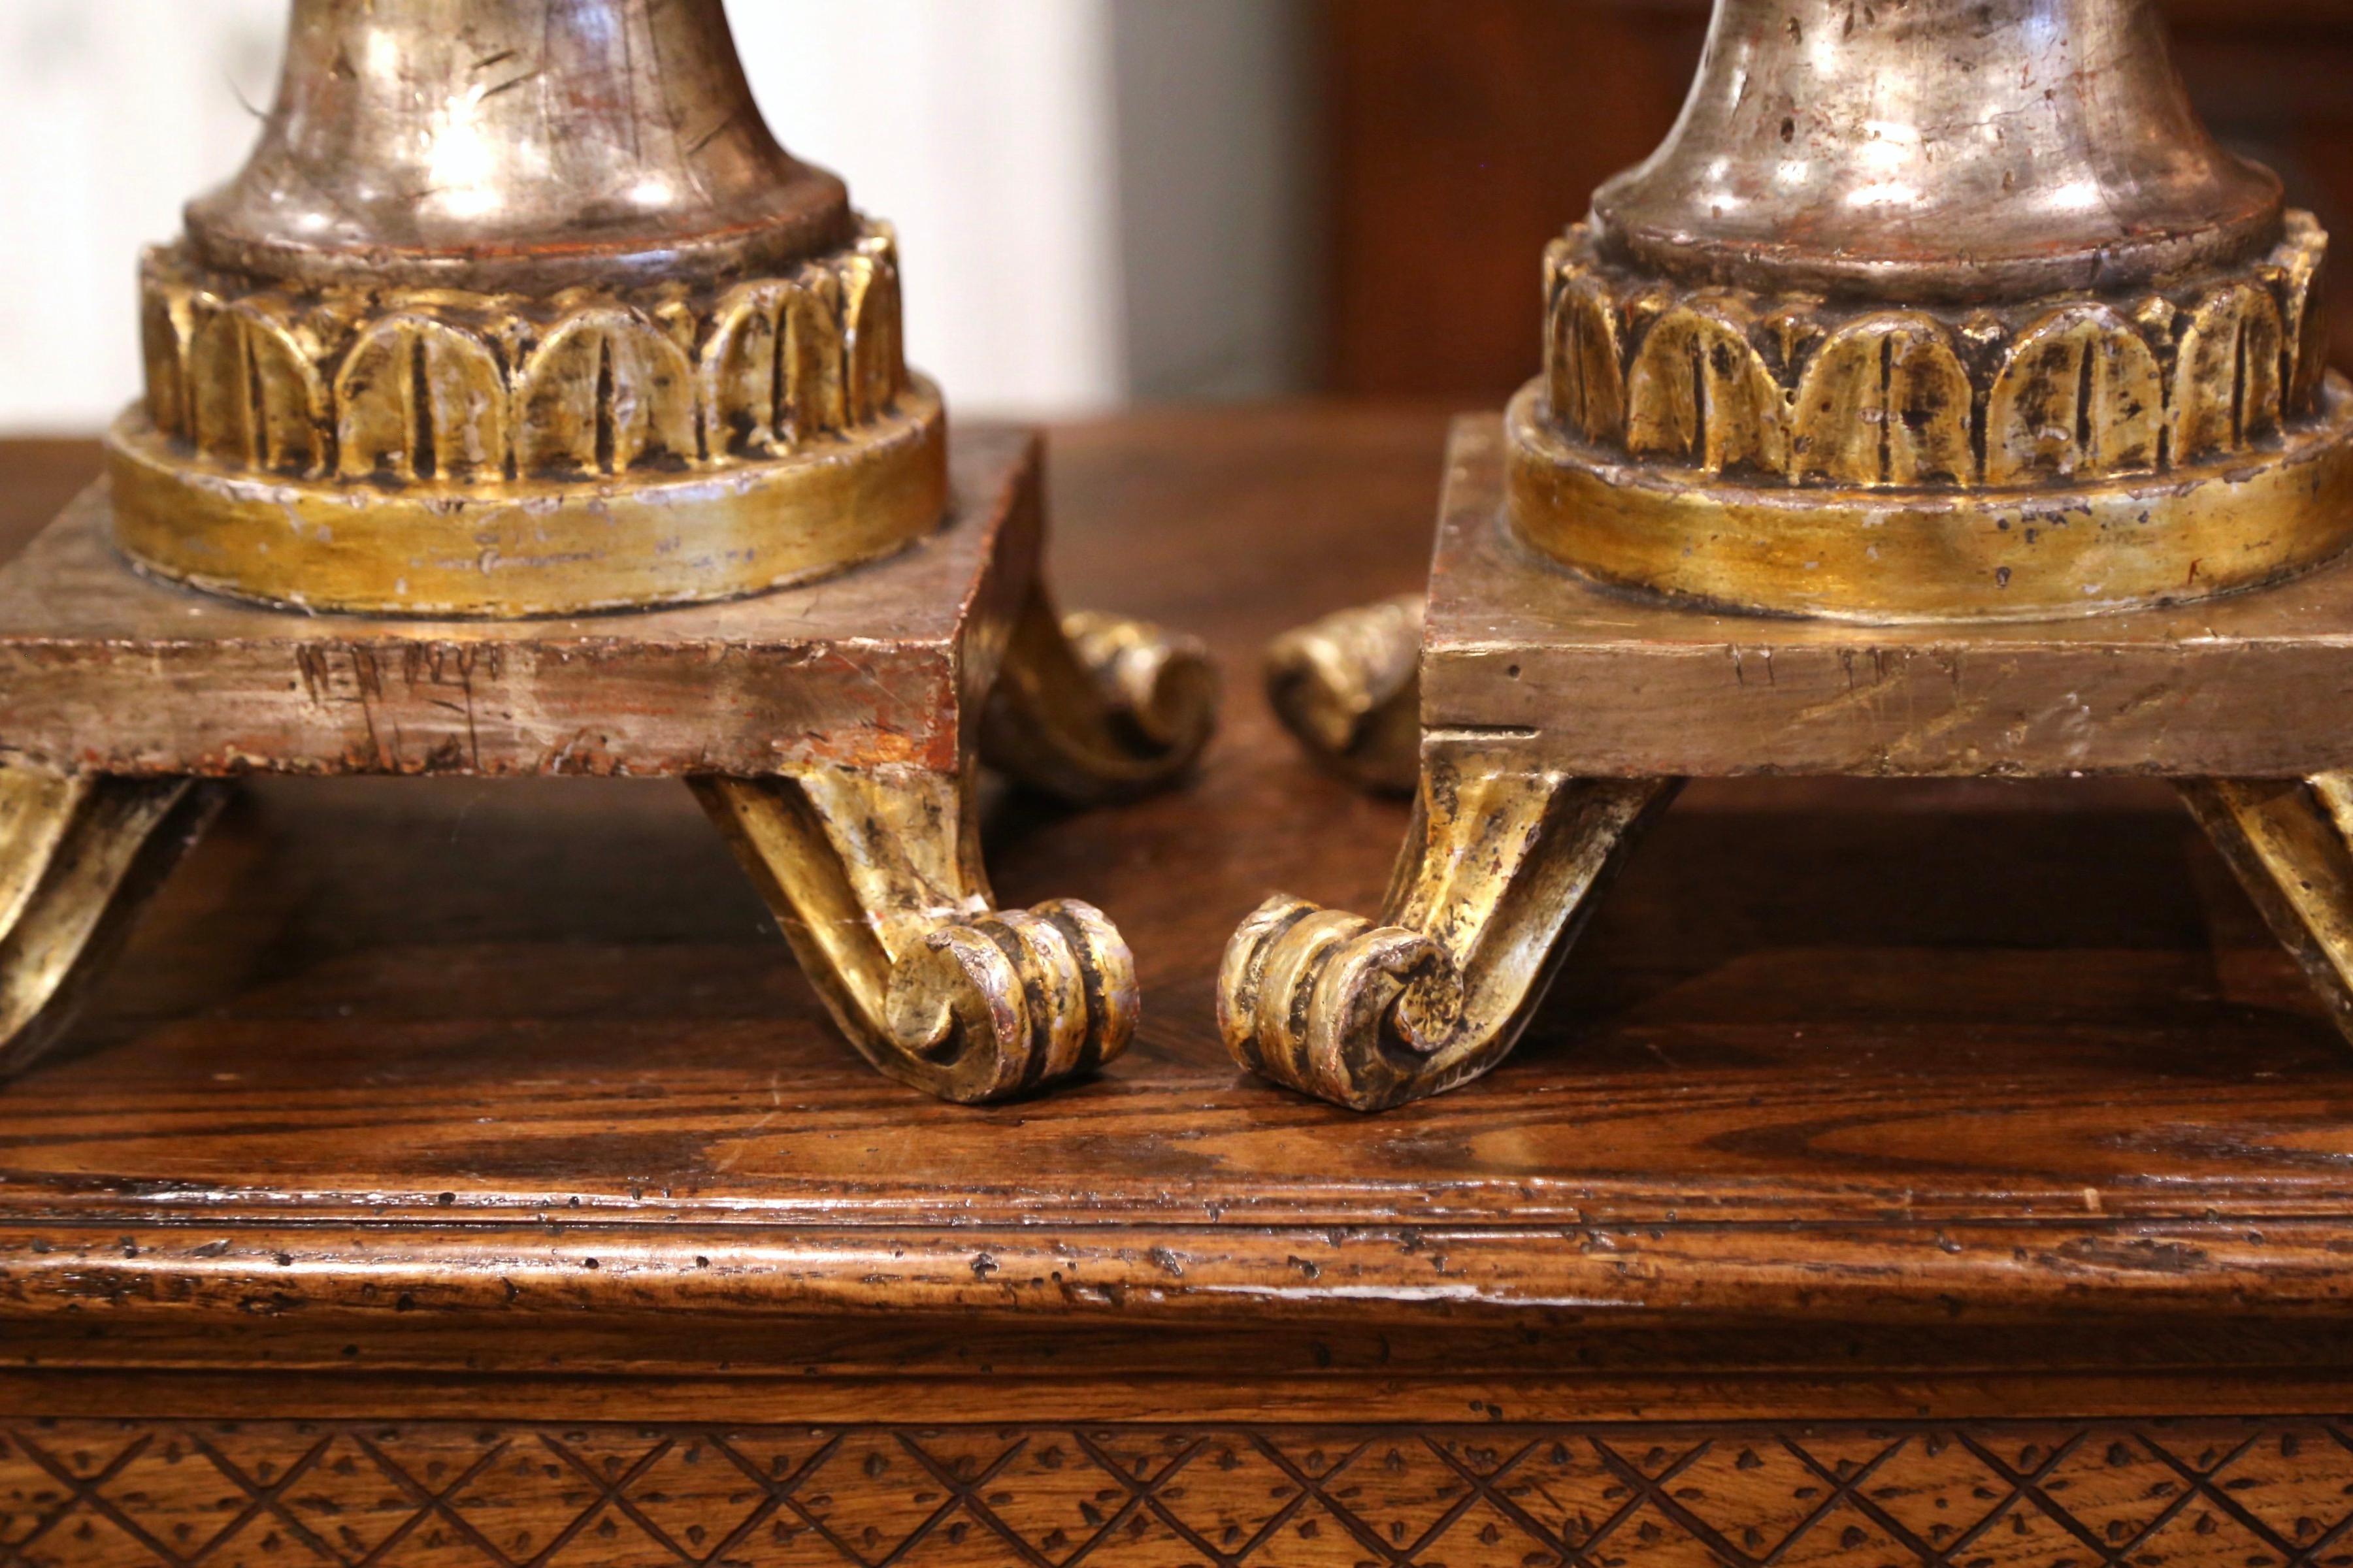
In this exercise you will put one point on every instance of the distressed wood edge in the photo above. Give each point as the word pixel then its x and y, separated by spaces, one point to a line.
pixel 1514 641
pixel 340 658
pixel 1639 1276
pixel 1001 1397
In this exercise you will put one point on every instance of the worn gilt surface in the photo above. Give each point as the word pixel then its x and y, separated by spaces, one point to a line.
pixel 1909 410
pixel 78 856
pixel 517 314
pixel 836 732
pixel 1349 687
pixel 1877 461
pixel 521 311
pixel 1563 692
pixel 415 1123
pixel 1908 320
pixel 441 450
pixel 2223 687
pixel 1804 390
pixel 875 872
pixel 2267 1494
pixel 2290 843
pixel 1501 864
pixel 1095 707
pixel 875 875
pixel 450 388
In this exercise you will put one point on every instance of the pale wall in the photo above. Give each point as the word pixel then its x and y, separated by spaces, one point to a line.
pixel 1096 198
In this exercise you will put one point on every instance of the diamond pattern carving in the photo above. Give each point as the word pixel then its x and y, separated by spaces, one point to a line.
pixel 526 1498
pixel 691 1495
pixel 607 1535
pixel 263 1457
pixel 1753 1494
pixel 2023 1536
pixel 2204 1494
pixel 84 1537
pixel 336 1493
pixel 1145 1454
pixel 1563 1486
pixel 1936 1489
pixel 2200 1534
pixel 1402 1488
pixel 873 1495
pixel 29 1494
pixel 1145 1539
pixel 1229 1494
pixel 1845 1534
pixel 2116 1485
pixel 1054 1498
pixel 176 1494
pixel 2298 1480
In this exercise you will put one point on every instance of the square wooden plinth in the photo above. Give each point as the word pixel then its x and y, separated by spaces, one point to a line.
pixel 103 670
pixel 1607 685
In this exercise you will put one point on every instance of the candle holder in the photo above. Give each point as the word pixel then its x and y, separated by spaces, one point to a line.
pixel 523 408
pixel 1938 401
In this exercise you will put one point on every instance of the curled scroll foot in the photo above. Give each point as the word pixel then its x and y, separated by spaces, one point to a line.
pixel 2290 842
pixel 875 874
pixel 1501 866
pixel 1095 707
pixel 875 877
pixel 1349 688
pixel 78 857
pixel 1009 1002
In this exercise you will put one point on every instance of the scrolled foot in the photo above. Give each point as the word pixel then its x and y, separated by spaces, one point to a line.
pixel 1349 688
pixel 1333 1005
pixel 1095 707
pixel 78 857
pixel 875 879
pixel 2290 842
pixel 1501 866
pixel 1010 1002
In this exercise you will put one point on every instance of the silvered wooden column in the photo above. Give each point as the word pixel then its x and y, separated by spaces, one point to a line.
pixel 520 364
pixel 1893 412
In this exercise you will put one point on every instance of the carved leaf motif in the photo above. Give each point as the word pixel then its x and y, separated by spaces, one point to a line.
pixel 418 398
pixel 2065 389
pixel 1586 381
pixel 439 386
pixel 167 324
pixel 1885 401
pixel 2303 259
pixel 744 380
pixel 870 317
pixel 2078 397
pixel 815 383
pixel 2226 374
pixel 219 408
pixel 258 398
pixel 603 391
pixel 1701 391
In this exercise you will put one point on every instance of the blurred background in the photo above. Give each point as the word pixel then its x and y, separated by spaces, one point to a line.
pixel 1102 202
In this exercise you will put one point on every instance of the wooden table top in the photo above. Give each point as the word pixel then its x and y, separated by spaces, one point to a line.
pixel 442 1078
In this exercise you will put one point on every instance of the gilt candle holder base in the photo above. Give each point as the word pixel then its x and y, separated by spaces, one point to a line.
pixel 834 731
pixel 1558 716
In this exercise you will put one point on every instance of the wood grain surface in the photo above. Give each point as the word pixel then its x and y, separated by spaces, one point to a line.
pixel 494 1104
pixel 2249 685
